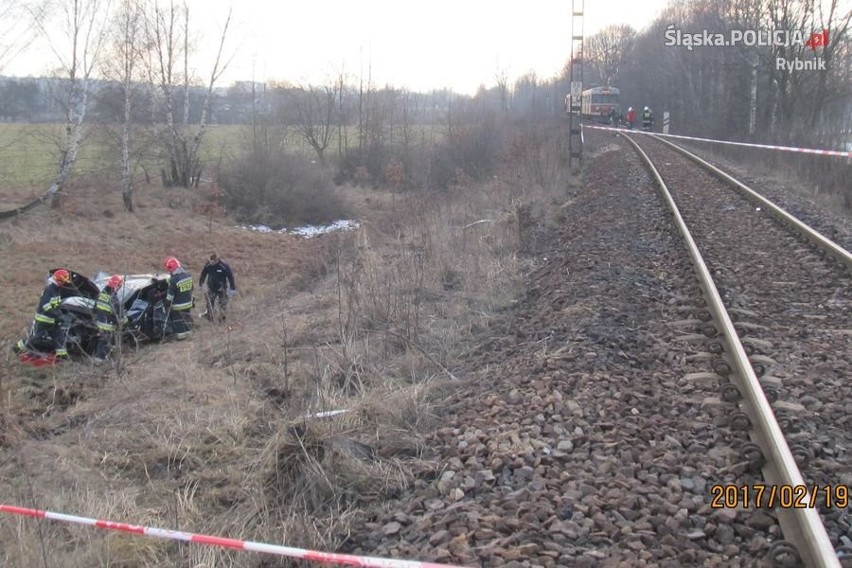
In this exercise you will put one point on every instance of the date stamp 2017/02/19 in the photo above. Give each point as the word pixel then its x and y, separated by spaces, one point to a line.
pixel 784 496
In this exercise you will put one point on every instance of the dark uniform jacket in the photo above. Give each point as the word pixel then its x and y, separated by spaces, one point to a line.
pixel 107 309
pixel 47 311
pixel 180 290
pixel 219 272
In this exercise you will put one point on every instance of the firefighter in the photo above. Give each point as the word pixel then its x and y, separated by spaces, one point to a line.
pixel 108 314
pixel 647 119
pixel 220 285
pixel 48 322
pixel 631 118
pixel 179 297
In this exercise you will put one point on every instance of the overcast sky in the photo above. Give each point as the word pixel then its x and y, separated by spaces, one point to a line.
pixel 458 44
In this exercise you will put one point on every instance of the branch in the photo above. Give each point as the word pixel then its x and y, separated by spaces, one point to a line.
pixel 423 351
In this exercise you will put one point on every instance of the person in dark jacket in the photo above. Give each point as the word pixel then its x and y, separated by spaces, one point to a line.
pixel 220 285
pixel 179 297
pixel 48 322
pixel 108 316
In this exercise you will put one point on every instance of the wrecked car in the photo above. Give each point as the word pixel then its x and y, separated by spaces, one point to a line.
pixel 142 297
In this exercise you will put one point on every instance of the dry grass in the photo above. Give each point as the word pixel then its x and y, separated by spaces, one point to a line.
pixel 213 435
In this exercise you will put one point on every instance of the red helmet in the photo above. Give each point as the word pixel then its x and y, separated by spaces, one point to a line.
pixel 171 264
pixel 115 282
pixel 62 276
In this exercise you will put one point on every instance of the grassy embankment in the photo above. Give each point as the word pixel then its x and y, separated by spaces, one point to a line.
pixel 210 435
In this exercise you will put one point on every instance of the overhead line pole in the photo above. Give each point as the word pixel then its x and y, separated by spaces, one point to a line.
pixel 574 106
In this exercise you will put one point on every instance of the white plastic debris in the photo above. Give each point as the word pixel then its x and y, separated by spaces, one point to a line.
pixel 307 231
pixel 326 413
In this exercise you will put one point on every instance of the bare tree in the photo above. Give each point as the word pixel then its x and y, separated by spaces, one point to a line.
pixel 83 25
pixel 502 78
pixel 124 67
pixel 15 35
pixel 341 116
pixel 834 84
pixel 608 51
pixel 525 91
pixel 167 32
pixel 803 106
pixel 743 91
pixel 315 109
pixel 363 103
pixel 406 107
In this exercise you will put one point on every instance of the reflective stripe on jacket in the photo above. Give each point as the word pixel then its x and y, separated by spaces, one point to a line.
pixel 48 307
pixel 180 290
pixel 105 310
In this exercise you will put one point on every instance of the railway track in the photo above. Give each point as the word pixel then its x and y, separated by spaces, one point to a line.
pixel 773 333
pixel 589 428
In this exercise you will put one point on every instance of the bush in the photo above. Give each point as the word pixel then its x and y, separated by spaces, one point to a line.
pixel 363 167
pixel 473 149
pixel 279 190
pixel 472 144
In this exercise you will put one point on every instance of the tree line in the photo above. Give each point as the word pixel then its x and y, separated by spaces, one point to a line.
pixel 738 92
pixel 127 68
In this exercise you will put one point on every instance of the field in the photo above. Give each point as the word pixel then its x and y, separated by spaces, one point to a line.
pixel 27 156
pixel 211 435
pixel 28 153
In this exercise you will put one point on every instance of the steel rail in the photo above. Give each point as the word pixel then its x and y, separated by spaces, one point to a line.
pixel 802 527
pixel 815 237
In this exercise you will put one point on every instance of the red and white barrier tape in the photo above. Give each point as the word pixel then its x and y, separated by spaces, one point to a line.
pixel 311 555
pixel 837 153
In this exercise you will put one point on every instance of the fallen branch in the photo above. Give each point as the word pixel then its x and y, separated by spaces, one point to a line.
pixel 24 208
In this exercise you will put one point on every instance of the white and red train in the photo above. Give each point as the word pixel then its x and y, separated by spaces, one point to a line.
pixel 597 103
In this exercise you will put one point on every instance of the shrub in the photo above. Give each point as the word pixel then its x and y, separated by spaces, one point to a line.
pixel 473 148
pixel 363 167
pixel 278 190
pixel 471 144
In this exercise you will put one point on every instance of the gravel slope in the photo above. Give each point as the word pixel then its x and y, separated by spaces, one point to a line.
pixel 577 438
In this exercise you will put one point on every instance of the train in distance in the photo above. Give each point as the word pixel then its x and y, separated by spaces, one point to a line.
pixel 597 104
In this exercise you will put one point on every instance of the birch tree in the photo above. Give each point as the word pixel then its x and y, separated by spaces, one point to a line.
pixel 124 68
pixel 77 48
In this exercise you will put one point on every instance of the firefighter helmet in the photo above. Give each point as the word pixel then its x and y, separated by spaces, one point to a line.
pixel 62 277
pixel 115 282
pixel 171 264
